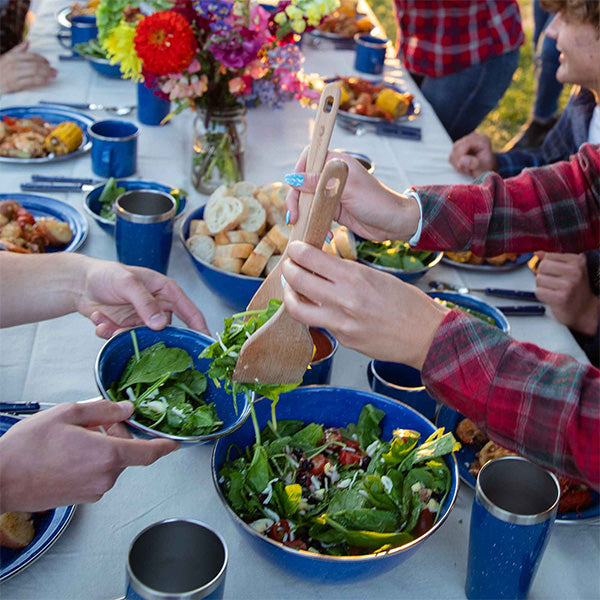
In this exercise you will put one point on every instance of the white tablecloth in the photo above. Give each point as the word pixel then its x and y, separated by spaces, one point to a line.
pixel 53 362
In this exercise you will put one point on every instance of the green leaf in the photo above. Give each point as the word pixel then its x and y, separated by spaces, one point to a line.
pixel 258 471
pixel 437 444
pixel 370 519
pixel 402 444
pixel 311 435
pixel 348 499
pixel 155 364
pixel 368 429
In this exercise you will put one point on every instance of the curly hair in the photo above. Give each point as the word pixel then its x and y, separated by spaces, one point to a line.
pixel 582 11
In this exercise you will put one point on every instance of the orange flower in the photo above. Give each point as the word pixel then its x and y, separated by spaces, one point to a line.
pixel 165 42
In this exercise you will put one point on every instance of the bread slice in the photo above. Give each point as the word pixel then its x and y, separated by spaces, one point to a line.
pixel 329 247
pixel 224 213
pixel 256 219
pixel 345 243
pixel 220 192
pixel 236 237
pixel 272 263
pixel 257 261
pixel 202 247
pixel 233 250
pixel 229 264
pixel 241 189
pixel 198 227
pixel 279 236
pixel 16 530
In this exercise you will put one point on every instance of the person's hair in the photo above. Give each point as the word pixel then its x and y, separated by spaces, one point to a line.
pixel 582 11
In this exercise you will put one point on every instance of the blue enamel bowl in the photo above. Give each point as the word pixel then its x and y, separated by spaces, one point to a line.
pixel 118 350
pixel 333 407
pixel 236 290
pixel 475 304
pixel 103 66
pixel 93 206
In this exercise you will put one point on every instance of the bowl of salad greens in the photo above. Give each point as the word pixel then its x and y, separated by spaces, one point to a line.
pixel 162 374
pixel 100 202
pixel 96 55
pixel 336 483
pixel 397 258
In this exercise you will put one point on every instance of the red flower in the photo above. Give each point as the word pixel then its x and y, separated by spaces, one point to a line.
pixel 165 42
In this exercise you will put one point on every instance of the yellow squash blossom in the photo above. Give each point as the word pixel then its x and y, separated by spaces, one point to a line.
pixel 120 48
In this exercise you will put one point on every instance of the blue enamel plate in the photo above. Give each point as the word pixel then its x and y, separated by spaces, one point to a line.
pixel 54 115
pixel 42 206
pixel 486 267
pixel 49 525
pixel 450 418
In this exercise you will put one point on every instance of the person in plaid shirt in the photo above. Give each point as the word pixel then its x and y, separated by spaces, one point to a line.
pixel 540 404
pixel 462 53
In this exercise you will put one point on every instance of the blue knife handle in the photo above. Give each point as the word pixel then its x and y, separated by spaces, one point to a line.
pixel 41 187
pixel 396 130
pixel 522 311
pixel 502 293
pixel 19 407
pixel 51 178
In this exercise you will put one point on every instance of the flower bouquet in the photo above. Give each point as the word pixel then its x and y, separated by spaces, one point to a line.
pixel 216 57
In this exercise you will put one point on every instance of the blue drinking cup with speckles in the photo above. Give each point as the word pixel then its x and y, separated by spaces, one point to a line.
pixel 513 512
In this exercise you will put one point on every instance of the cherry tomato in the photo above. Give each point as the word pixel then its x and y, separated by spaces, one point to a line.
pixel 280 530
pixel 348 457
pixel 24 218
pixel 352 444
pixel 424 522
pixel 331 435
pixel 319 461
pixel 296 544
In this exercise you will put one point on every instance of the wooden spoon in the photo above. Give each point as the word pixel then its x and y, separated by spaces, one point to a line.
pixel 280 351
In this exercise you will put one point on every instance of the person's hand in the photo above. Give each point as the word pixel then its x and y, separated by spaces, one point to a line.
pixel 367 207
pixel 21 70
pixel 472 155
pixel 365 309
pixel 59 456
pixel 114 297
pixel 562 282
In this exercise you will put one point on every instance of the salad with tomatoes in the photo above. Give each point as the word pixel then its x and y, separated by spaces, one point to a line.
pixel 340 491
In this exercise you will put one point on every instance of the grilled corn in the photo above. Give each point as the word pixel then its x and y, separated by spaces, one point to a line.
pixel 64 138
pixel 392 102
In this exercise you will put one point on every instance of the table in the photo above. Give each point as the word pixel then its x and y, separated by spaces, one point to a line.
pixel 53 361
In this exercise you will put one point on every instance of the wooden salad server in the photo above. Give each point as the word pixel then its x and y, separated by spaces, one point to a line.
pixel 280 351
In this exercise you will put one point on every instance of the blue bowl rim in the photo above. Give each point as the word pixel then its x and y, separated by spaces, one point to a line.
pixel 196 439
pixel 395 386
pixel 437 257
pixel 323 557
pixel 97 217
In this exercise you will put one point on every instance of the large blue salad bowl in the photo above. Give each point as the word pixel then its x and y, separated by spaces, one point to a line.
pixel 93 206
pixel 118 350
pixel 333 407
pixel 103 66
pixel 236 290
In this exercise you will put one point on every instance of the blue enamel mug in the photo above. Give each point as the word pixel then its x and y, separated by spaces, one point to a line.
pixel 83 29
pixel 151 108
pixel 513 512
pixel 176 559
pixel 319 372
pixel 144 228
pixel 114 148
pixel 370 53
pixel 402 383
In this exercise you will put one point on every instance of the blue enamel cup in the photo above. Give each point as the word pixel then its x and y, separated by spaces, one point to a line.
pixel 151 109
pixel 178 559
pixel 402 383
pixel 370 54
pixel 83 29
pixel 144 231
pixel 326 345
pixel 513 512
pixel 114 148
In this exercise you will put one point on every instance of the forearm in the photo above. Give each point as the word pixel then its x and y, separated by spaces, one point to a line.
pixel 539 404
pixel 39 287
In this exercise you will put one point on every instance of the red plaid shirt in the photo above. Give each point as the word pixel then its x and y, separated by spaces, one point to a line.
pixel 439 37
pixel 543 405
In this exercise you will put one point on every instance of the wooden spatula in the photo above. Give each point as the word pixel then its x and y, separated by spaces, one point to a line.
pixel 280 351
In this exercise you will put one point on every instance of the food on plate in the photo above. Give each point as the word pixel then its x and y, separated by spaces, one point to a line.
pixel 22 232
pixel 34 137
pixel 84 8
pixel 344 24
pixel 340 491
pixel 16 530
pixel 470 258
pixel 363 97
pixel 574 497
pixel 393 255
pixel 166 391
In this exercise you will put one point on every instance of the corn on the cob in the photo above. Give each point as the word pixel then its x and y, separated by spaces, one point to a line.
pixel 345 95
pixel 394 103
pixel 64 138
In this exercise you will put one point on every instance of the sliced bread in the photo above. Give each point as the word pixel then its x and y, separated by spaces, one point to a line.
pixel 256 218
pixel 280 236
pixel 345 243
pixel 224 213
pixel 233 250
pixel 202 247
pixel 229 264
pixel 236 237
pixel 257 261
pixel 198 227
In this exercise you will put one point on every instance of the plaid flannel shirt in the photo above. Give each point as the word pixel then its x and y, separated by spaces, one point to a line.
pixel 564 139
pixel 439 37
pixel 543 405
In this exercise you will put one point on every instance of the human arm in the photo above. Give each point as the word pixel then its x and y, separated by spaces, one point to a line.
pixel 21 70
pixel 59 457
pixel 113 296
pixel 472 155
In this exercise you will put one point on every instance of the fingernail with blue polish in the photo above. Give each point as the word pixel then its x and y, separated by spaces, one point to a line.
pixel 295 179
pixel 328 239
pixel 283 282
pixel 287 217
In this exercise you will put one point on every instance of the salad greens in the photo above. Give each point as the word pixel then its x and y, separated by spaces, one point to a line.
pixel 166 391
pixel 469 311
pixel 91 49
pixel 340 491
pixel 393 254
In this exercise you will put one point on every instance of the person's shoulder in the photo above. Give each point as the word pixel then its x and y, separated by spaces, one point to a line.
pixel 582 98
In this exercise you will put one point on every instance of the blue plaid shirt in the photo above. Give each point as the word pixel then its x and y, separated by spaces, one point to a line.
pixel 563 140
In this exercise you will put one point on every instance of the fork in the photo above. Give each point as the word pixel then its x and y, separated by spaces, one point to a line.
pixel 387 129
pixel 116 110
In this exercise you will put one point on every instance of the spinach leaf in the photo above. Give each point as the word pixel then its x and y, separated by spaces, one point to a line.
pixel 258 471
pixel 366 518
pixel 310 436
pixel 367 428
pixel 155 364
pixel 437 444
pixel 348 499
pixel 367 539
pixel 402 444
